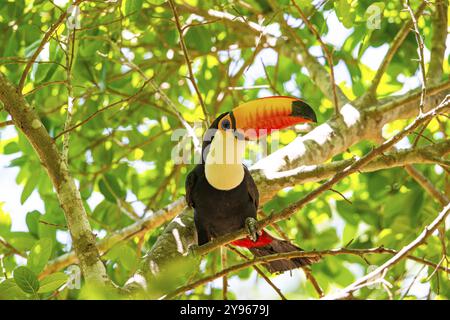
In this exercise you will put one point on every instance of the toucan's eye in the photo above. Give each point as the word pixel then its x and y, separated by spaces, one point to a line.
pixel 226 124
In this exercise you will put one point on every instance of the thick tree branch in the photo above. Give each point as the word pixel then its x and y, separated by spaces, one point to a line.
pixel 139 228
pixel 268 186
pixel 290 210
pixel 273 182
pixel 340 133
pixel 27 120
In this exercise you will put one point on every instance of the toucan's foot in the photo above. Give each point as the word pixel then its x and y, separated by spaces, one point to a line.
pixel 251 225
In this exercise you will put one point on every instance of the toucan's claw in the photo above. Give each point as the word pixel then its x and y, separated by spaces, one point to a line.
pixel 251 225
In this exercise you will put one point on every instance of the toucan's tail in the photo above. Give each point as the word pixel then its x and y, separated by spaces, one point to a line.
pixel 269 245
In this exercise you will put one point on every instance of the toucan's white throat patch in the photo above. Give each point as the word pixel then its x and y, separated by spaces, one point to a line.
pixel 223 165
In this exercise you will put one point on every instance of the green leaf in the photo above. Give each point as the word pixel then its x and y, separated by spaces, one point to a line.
pixel 125 255
pixel 39 255
pixel 11 148
pixel 110 188
pixel 131 6
pixel 32 221
pixel 9 290
pixel 128 257
pixel 26 280
pixel 22 241
pixel 29 187
pixel 52 282
pixel 344 13
pixel 349 233
pixel 199 38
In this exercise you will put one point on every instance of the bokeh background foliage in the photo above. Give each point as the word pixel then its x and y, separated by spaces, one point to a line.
pixel 121 157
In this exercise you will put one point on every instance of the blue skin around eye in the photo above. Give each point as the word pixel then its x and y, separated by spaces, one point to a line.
pixel 226 124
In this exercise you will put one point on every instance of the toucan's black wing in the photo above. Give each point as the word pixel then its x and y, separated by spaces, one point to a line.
pixel 189 185
pixel 251 187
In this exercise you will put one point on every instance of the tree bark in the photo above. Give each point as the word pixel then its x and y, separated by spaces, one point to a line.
pixel 26 119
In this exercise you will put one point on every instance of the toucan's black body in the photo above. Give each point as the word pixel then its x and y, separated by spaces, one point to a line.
pixel 219 212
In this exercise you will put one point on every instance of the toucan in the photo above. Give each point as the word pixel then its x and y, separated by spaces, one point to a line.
pixel 221 189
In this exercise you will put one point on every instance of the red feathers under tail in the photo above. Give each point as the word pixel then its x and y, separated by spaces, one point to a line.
pixel 267 245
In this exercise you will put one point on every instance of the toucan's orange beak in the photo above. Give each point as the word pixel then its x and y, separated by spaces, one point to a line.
pixel 256 118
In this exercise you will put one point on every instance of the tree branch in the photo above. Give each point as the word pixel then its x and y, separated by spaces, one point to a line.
pixel 438 41
pixel 70 56
pixel 318 73
pixel 340 133
pixel 420 47
pixel 291 255
pixel 26 119
pixel 268 186
pixel 188 62
pixel 293 208
pixel 428 231
pixel 400 37
pixel 260 272
pixel 139 228
pixel 427 185
pixel 36 53
pixel 6 123
pixel 325 50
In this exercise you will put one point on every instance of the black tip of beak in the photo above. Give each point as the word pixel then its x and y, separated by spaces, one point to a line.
pixel 302 109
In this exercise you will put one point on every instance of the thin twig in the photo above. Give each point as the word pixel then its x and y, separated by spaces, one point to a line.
pixel 6 123
pixel 403 253
pixel 429 187
pixel 313 281
pixel 70 51
pixel 260 272
pixel 342 196
pixel 327 53
pixel 188 62
pixel 412 283
pixel 11 247
pixel 420 53
pixel 395 45
pixel 271 84
pixel 223 256
pixel 288 255
pixel 114 104
pixel 43 85
pixel 36 53
pixel 170 103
